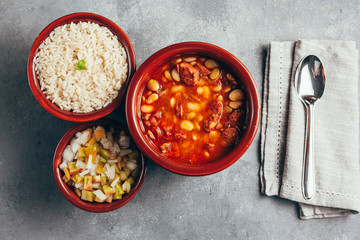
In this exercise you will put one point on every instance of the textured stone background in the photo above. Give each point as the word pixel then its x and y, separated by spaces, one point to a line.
pixel 226 205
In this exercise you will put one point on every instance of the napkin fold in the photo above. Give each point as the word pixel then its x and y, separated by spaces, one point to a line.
pixel 336 129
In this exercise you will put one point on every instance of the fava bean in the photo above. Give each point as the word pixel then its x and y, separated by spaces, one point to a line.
pixel 190 59
pixel 230 77
pixel 227 109
pixel 215 74
pixel 177 88
pixel 214 134
pixel 217 88
pixel 236 95
pixel 190 115
pixel 152 98
pixel 227 89
pixel 186 125
pixel 153 85
pixel 175 75
pixel 147 108
pixel 167 75
pixel 235 105
pixel 193 106
pixel 206 91
pixel 210 64
pixel 172 102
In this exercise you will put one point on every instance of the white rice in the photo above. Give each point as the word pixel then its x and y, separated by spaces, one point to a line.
pixel 81 91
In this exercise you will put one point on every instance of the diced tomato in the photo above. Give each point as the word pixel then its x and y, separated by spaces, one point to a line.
pixel 171 149
pixel 179 110
pixel 154 121
pixel 168 128
pixel 158 114
pixel 180 136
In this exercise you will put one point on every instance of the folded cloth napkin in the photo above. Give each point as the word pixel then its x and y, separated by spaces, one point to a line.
pixel 336 129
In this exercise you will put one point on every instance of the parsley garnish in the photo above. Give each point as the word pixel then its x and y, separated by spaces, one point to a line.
pixel 80 65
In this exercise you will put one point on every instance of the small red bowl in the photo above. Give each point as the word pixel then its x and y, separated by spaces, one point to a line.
pixel 137 85
pixel 34 83
pixel 69 193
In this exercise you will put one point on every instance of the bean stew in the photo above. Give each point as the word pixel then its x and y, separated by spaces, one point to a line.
pixel 193 109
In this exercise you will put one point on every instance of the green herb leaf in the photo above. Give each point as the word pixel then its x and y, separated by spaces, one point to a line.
pixel 80 65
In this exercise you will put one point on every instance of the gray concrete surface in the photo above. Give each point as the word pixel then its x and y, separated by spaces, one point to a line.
pixel 226 205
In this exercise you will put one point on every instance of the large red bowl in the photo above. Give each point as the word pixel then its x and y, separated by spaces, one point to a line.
pixel 137 85
pixel 34 83
pixel 69 193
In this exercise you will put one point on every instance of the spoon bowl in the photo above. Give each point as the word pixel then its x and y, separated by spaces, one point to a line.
pixel 309 86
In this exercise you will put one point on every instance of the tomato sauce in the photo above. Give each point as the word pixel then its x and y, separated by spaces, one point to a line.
pixel 193 109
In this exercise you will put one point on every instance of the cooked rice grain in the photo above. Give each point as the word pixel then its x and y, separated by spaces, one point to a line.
pixel 81 91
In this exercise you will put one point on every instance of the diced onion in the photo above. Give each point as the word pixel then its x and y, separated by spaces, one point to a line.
pixel 126 186
pixel 109 136
pixel 79 185
pixel 97 159
pixel 112 161
pixel 63 165
pixel 75 145
pixel 112 172
pixel 85 137
pixel 99 128
pixel 89 163
pixel 124 141
pixel 100 195
pixel 83 173
pixel 115 148
pixel 106 143
pixel 80 164
pixel 116 180
pixel 124 152
pixel 68 154
pixel 92 172
pixel 131 165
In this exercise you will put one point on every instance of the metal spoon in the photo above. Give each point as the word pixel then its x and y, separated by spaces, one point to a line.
pixel 309 85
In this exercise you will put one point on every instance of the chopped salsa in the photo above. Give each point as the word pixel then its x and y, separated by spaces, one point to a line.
pixel 100 165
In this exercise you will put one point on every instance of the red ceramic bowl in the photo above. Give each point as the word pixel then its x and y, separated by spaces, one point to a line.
pixel 34 83
pixel 69 193
pixel 137 85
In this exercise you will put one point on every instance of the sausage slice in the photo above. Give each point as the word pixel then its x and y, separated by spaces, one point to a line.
pixel 188 74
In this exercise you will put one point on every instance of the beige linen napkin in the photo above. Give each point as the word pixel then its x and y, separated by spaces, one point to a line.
pixel 336 129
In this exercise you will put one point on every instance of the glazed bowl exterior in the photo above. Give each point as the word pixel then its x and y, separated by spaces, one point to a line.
pixel 34 82
pixel 69 194
pixel 138 83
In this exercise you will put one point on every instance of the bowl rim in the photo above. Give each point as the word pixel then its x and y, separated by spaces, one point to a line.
pixel 69 194
pixel 226 58
pixel 34 82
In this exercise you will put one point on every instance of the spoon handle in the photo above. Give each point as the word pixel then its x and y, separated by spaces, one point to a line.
pixel 308 174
